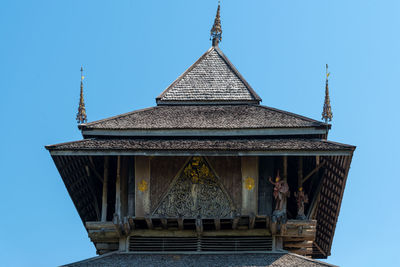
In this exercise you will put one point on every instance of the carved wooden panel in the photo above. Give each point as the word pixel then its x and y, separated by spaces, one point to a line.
pixel 196 192
pixel 228 169
pixel 162 171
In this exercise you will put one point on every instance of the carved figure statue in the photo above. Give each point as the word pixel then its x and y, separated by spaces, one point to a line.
pixel 281 192
pixel 301 198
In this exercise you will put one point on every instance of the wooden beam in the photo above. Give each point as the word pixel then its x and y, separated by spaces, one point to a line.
pixel 313 171
pixel 131 186
pixel 250 172
pixel 105 188
pixel 285 167
pixel 93 168
pixel 300 173
pixel 118 188
pixel 142 186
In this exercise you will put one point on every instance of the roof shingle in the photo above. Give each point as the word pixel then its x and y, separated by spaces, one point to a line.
pixel 212 78
pixel 204 117
pixel 198 144
pixel 217 260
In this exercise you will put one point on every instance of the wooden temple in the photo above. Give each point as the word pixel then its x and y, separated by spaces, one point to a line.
pixel 207 170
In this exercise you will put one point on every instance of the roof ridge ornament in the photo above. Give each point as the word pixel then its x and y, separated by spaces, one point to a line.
pixel 81 116
pixel 216 30
pixel 327 110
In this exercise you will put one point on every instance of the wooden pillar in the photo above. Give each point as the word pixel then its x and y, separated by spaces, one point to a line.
pixel 285 168
pixel 142 186
pixel 105 188
pixel 249 185
pixel 131 187
pixel 118 189
pixel 300 173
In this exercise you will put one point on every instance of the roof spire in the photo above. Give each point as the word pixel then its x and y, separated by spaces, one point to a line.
pixel 327 110
pixel 81 116
pixel 216 30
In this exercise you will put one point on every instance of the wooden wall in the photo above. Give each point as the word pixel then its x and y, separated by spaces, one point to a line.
pixel 162 171
pixel 228 170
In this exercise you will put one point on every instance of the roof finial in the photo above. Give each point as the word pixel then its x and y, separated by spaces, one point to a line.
pixel 327 110
pixel 81 116
pixel 216 30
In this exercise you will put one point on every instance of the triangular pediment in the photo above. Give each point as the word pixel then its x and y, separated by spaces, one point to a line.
pixel 211 79
pixel 196 192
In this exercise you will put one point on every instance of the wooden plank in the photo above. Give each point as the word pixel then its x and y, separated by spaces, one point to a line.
pixel 249 185
pixel 142 186
pixel 131 186
pixel 105 188
pixel 118 189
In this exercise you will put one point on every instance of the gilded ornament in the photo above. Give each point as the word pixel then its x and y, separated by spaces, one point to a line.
pixel 249 183
pixel 143 186
pixel 196 192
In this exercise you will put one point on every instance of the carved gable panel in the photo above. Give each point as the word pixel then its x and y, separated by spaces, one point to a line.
pixel 196 192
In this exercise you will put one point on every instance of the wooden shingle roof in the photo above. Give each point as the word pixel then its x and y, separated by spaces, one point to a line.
pixel 273 259
pixel 204 117
pixel 211 79
pixel 198 145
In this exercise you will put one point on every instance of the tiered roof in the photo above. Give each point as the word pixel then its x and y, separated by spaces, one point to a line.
pixel 211 110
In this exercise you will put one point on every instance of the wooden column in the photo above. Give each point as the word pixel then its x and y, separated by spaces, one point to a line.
pixel 142 186
pixel 131 187
pixel 249 185
pixel 118 189
pixel 285 168
pixel 300 173
pixel 105 188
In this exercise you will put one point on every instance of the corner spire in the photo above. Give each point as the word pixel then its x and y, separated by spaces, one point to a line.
pixel 327 110
pixel 216 30
pixel 81 116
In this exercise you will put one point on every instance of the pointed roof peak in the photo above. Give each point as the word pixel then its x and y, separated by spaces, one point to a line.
pixel 327 110
pixel 212 79
pixel 81 115
pixel 216 30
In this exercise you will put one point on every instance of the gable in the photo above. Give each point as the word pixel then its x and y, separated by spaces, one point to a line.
pixel 196 192
pixel 212 78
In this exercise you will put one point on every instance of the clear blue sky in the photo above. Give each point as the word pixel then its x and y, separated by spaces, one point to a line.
pixel 132 50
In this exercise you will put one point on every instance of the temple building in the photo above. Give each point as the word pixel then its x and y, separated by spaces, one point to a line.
pixel 207 177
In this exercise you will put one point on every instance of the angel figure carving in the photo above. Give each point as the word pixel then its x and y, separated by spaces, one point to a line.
pixel 301 199
pixel 281 192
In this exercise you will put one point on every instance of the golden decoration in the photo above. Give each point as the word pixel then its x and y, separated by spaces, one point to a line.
pixel 249 183
pixel 143 186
